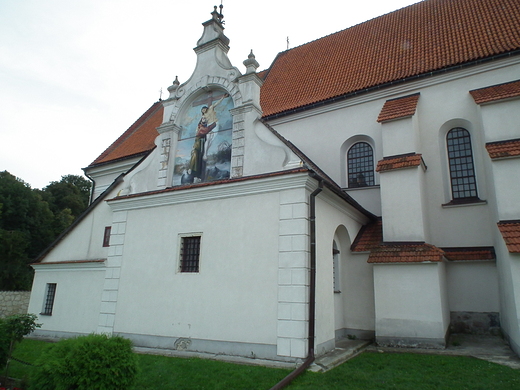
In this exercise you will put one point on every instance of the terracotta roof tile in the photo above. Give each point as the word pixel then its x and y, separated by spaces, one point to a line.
pixel 406 253
pixel 504 149
pixel 511 233
pixel 138 139
pixel 422 38
pixel 496 92
pixel 370 236
pixel 398 108
pixel 398 162
pixel 466 253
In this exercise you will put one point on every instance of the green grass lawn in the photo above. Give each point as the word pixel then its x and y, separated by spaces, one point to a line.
pixel 369 370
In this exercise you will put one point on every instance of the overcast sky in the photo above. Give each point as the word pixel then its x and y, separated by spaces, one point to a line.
pixel 75 74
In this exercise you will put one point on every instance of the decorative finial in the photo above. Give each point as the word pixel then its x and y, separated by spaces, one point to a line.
pixel 251 63
pixel 218 16
pixel 287 43
pixel 172 88
pixel 160 94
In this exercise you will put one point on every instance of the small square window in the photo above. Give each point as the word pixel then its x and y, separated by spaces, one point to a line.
pixel 189 254
pixel 106 236
pixel 48 303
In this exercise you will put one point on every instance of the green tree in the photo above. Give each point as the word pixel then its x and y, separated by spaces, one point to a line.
pixel 72 193
pixel 26 228
pixel 31 219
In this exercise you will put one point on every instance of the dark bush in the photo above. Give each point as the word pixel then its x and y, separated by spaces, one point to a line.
pixel 94 362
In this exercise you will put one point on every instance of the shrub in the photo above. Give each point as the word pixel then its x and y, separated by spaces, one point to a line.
pixel 94 362
pixel 12 331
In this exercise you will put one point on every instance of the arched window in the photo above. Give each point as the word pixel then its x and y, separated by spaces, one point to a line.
pixel 462 169
pixel 360 162
pixel 335 267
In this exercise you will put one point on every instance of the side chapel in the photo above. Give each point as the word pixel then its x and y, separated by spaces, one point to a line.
pixel 365 184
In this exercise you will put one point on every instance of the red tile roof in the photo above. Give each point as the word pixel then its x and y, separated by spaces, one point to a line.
pixel 398 108
pixel 138 139
pixel 476 253
pixel 406 161
pixel 504 149
pixel 496 92
pixel 406 253
pixel 370 239
pixel 370 236
pixel 416 40
pixel 511 233
pixel 422 38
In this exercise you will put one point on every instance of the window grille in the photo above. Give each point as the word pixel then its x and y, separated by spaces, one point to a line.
pixel 106 236
pixel 190 251
pixel 360 162
pixel 462 170
pixel 49 299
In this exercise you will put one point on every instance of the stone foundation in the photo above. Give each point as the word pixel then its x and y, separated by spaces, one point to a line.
pixel 14 302
pixel 475 323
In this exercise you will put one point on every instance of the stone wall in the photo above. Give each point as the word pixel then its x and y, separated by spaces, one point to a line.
pixel 475 323
pixel 14 302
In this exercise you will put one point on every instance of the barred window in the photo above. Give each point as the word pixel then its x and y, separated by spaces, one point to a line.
pixel 48 303
pixel 360 162
pixel 190 252
pixel 462 169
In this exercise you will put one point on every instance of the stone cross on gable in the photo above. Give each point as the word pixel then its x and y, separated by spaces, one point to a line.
pixel 207 100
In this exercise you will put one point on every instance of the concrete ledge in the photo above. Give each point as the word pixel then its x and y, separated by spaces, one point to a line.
pixel 210 347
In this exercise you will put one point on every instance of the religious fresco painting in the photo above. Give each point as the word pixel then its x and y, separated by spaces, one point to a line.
pixel 204 146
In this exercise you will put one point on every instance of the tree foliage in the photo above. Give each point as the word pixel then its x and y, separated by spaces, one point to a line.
pixel 31 219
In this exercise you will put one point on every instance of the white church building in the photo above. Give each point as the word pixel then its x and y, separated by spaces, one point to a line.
pixel 366 184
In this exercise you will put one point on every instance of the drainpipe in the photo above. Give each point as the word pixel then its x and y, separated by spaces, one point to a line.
pixel 312 290
pixel 91 197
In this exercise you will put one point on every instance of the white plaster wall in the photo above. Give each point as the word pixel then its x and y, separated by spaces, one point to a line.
pixel 401 205
pixel 444 101
pixel 232 298
pixel 473 286
pixel 321 136
pixel 399 137
pixel 358 293
pixel 263 151
pixel 501 120
pixel 409 301
pixel 368 197
pixel 77 300
pixel 506 174
pixel 508 274
pixel 357 281
pixel 85 241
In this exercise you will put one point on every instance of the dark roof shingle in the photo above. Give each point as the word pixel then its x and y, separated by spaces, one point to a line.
pixel 424 37
pixel 510 231
pixel 496 92
pixel 398 162
pixel 398 108
pixel 503 149
pixel 138 139
pixel 465 253
pixel 406 253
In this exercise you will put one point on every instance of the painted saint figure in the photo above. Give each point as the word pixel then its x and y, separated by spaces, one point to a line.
pixel 206 129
